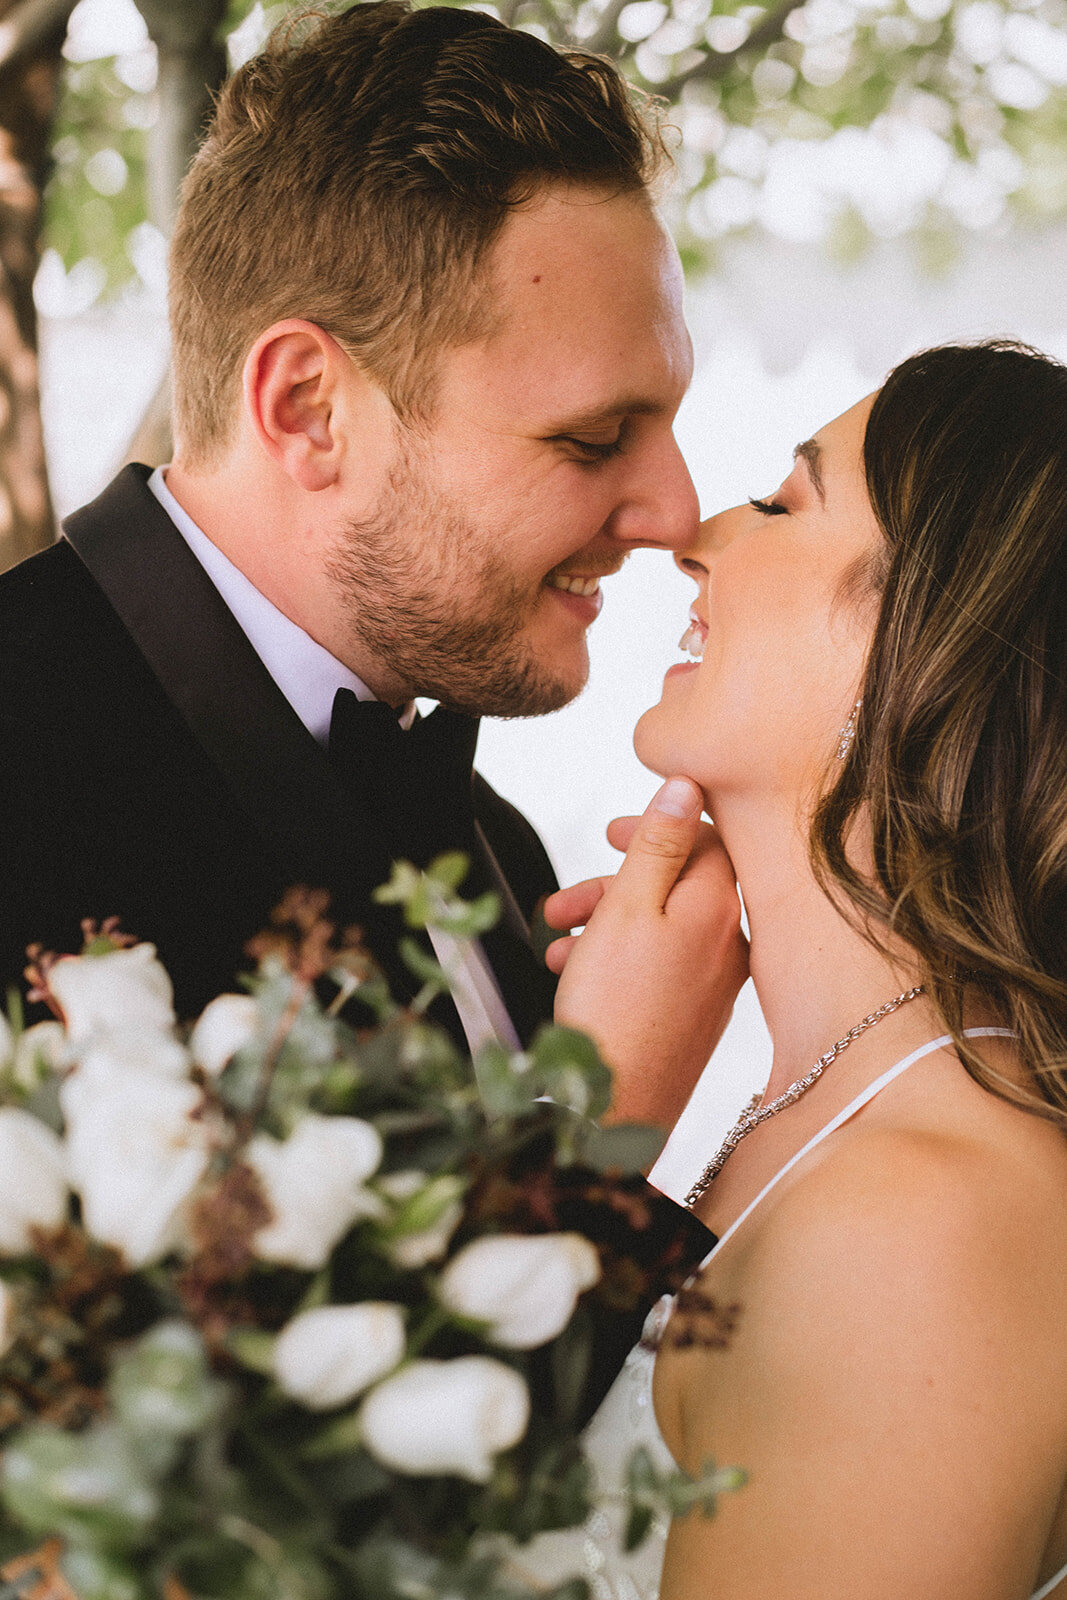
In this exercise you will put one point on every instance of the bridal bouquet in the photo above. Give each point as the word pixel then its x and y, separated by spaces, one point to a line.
pixel 295 1310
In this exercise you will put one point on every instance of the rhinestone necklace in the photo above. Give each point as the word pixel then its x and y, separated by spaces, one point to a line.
pixel 755 1112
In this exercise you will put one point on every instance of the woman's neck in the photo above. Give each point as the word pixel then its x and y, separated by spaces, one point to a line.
pixel 815 975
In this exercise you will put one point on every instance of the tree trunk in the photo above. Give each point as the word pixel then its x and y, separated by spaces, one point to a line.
pixel 31 38
pixel 192 64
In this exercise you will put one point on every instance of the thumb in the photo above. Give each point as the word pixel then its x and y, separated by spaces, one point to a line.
pixel 662 843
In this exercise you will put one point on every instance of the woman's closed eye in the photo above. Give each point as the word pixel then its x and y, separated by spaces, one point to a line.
pixel 769 508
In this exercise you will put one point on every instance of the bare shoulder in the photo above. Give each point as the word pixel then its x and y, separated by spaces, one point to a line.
pixel 936 1214
pixel 898 1351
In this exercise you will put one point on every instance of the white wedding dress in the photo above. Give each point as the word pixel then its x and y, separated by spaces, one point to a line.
pixel 627 1419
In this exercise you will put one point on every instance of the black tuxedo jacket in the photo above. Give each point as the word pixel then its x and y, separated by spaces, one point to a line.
pixel 151 769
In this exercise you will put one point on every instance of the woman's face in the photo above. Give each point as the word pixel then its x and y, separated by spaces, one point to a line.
pixel 783 618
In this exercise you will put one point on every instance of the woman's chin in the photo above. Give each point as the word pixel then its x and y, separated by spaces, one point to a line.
pixel 650 746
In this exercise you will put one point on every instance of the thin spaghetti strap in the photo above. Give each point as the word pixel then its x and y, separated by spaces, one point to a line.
pixel 842 1117
pixel 1047 1588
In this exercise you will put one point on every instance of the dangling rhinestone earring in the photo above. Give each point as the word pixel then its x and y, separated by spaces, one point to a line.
pixel 848 732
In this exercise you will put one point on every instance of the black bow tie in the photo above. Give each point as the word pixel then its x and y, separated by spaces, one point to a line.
pixel 415 782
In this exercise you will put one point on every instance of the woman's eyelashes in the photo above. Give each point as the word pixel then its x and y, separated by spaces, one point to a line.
pixel 768 508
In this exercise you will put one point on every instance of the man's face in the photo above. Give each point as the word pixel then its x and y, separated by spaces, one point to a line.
pixel 548 457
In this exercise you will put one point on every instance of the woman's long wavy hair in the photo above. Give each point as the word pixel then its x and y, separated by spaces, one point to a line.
pixel 959 764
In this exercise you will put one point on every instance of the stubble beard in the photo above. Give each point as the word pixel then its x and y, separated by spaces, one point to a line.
pixel 428 595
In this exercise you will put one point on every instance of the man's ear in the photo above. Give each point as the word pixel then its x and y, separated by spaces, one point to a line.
pixel 292 380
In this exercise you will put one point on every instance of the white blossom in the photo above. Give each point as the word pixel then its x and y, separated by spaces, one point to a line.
pixel 328 1355
pixel 33 1180
pixel 135 1153
pixel 314 1185
pixel 224 1027
pixel 524 1285
pixel 420 1246
pixel 446 1416
pixel 40 1050
pixel 118 991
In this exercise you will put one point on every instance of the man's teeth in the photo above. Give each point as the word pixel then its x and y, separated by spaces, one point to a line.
pixel 573 585
pixel 692 641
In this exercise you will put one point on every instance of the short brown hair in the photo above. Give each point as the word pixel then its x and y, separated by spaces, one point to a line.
pixel 959 764
pixel 355 174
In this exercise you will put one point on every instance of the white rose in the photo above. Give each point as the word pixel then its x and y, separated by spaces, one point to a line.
pixel 40 1050
pixel 141 1051
pixel 124 989
pixel 33 1180
pixel 314 1185
pixel 225 1026
pixel 417 1248
pixel 329 1355
pixel 446 1416
pixel 524 1285
pixel 135 1153
pixel 7 1318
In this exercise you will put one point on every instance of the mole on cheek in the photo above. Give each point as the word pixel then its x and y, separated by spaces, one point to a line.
pixel 538 278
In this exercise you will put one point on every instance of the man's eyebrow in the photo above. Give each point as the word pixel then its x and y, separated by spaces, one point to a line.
pixel 810 453
pixel 603 416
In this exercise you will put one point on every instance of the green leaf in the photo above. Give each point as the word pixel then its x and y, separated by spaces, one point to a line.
pixel 253 1348
pixel 504 1080
pixel 449 870
pixel 338 1436
pixel 638 1526
pixel 625 1147
pixel 567 1067
pixel 425 968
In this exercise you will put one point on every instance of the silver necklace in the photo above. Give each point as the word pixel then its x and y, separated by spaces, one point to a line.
pixel 756 1112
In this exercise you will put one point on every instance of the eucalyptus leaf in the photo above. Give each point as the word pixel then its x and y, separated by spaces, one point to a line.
pixel 623 1147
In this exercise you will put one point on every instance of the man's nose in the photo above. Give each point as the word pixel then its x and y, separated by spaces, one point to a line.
pixel 711 539
pixel 661 510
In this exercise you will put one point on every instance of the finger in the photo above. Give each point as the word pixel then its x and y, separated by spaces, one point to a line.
pixel 558 952
pixel 572 907
pixel 621 831
pixel 662 843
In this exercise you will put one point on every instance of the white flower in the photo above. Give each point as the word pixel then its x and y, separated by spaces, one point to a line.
pixel 314 1185
pixel 135 1153
pixel 33 1181
pixel 419 1246
pixel 446 1416
pixel 225 1026
pixel 7 1318
pixel 524 1286
pixel 40 1050
pixel 124 989
pixel 329 1355
pixel 144 1052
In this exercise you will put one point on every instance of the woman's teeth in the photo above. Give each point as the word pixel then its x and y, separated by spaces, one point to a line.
pixel 574 585
pixel 692 640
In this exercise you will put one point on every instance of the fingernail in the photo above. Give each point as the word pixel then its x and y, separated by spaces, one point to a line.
pixel 678 798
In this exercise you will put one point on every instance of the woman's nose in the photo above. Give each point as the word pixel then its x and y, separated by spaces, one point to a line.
pixel 713 535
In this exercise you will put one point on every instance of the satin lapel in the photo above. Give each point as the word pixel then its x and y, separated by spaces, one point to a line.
pixel 526 985
pixel 229 701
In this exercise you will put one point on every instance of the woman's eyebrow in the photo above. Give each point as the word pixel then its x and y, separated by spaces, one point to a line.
pixel 811 454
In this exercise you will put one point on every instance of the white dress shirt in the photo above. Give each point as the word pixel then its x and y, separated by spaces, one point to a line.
pixel 309 678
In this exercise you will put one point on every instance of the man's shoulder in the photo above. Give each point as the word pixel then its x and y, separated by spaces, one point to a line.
pixel 49 604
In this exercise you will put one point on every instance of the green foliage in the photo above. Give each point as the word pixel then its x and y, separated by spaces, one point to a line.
pixel 98 195
pixel 973 94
